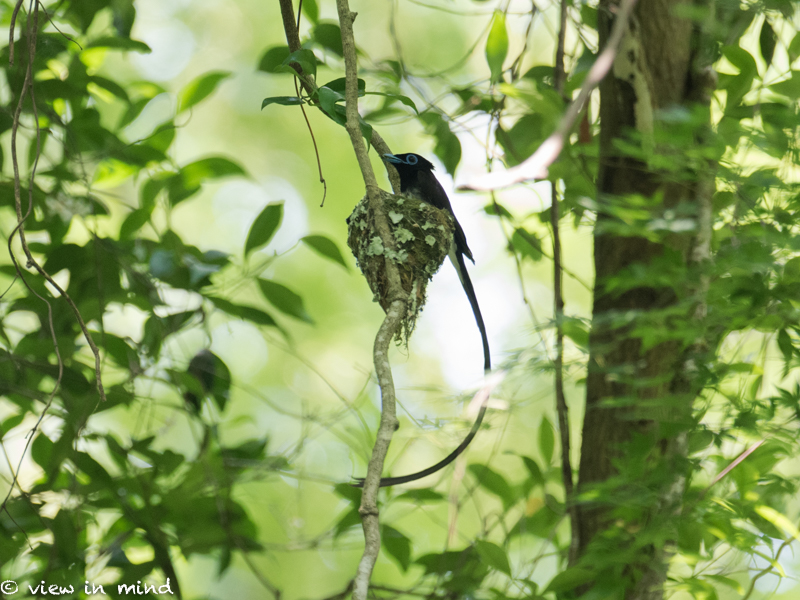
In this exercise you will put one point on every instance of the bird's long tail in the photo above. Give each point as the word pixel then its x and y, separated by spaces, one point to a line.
pixel 457 259
pixel 387 481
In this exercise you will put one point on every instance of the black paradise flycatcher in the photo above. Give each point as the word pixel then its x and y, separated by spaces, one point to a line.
pixel 417 180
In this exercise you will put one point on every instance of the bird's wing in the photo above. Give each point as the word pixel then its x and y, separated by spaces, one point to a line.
pixel 430 190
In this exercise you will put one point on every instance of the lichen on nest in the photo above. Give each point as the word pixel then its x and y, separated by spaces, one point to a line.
pixel 422 234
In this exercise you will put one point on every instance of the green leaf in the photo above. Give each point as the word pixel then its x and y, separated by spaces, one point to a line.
pixel 10 423
pixel 527 244
pixel 397 545
pixel 589 16
pixel 120 43
pixel 523 139
pixel 162 263
pixel 199 271
pixel 339 85
pixel 791 270
pixel 493 482
pixel 738 85
pixel 177 191
pixel 366 130
pixel 348 492
pixel 788 87
pixel 325 247
pixel 150 190
pixel 785 345
pixel 264 227
pixel 741 59
pixel 576 330
pixel 699 439
pixel 496 209
pixel 124 14
pixel 465 564
pixel 272 58
pixel 533 468
pixel 569 580
pixel 199 89
pixel 284 299
pixel 722 199
pixel 212 376
pixel 447 148
pixel 547 440
pixel 248 313
pixel 42 450
pixel 282 100
pixel 212 167
pixel 311 10
pixel 134 222
pixel 327 100
pixel 731 583
pixel 494 556
pixel 421 495
pixel 399 97
pixel 767 41
pixel 92 468
pixel 329 36
pixel 111 86
pixel 350 519
pixel 778 520
pixel 497 46
pixel 162 137
pixel 305 59
pixel 794 48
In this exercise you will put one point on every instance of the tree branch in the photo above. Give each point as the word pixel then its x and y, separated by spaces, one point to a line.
pixel 390 325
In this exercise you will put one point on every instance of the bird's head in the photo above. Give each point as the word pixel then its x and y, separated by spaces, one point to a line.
pixel 409 168
pixel 406 163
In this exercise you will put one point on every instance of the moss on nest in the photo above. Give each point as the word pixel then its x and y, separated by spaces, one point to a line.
pixel 422 233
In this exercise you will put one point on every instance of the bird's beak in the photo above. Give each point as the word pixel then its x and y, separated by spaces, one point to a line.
pixel 391 158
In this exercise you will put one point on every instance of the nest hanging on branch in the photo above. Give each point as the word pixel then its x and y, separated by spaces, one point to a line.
pixel 422 236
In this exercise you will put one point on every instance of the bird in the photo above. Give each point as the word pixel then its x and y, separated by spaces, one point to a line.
pixel 418 181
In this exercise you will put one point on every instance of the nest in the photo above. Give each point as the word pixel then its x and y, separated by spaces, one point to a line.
pixel 422 234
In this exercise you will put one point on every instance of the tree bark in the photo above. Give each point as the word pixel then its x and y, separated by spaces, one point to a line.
pixel 637 393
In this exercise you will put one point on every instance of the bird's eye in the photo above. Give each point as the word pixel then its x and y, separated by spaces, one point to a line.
pixel 412 159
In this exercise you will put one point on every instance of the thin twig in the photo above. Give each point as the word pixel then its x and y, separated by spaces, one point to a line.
pixel 303 108
pixel 11 28
pixel 535 167
pixel 768 569
pixel 558 309
pixel 53 23
pixel 313 141
pixel 27 86
pixel 734 463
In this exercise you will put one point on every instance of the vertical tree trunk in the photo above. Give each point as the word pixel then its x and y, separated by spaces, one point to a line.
pixel 653 70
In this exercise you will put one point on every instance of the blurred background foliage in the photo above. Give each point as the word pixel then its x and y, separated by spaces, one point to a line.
pixel 181 212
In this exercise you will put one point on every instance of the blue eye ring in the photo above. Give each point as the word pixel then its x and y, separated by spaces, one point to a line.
pixel 411 159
